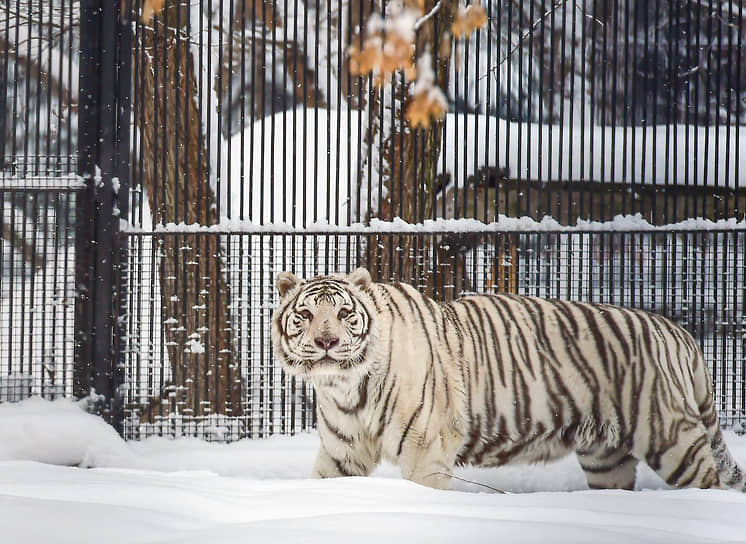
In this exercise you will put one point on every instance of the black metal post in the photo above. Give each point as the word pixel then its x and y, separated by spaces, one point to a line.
pixel 123 93
pixel 85 203
pixel 103 150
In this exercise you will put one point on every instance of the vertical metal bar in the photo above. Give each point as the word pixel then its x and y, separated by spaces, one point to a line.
pixel 687 119
pixel 583 78
pixel 605 118
pixel 732 98
pixel 56 251
pixel 11 277
pixel 304 136
pixel 85 203
pixel 720 209
pixel 98 132
pixel 122 165
pixel 527 95
pixel 62 106
pixel 16 68
pixel 670 170
pixel 4 87
pixel 550 113
pixel 708 115
pixel 740 203
pixel 24 293
pixel 561 117
pixel 742 322
pixel 39 19
pixel 592 121
pixel 316 47
pixel 27 74
pixel 105 229
pixel 731 319
pixel 571 125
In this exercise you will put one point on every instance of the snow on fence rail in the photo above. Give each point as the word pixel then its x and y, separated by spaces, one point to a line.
pixel 621 223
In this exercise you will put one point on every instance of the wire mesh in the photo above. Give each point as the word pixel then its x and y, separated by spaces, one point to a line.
pixel 39 42
pixel 696 278
pixel 37 293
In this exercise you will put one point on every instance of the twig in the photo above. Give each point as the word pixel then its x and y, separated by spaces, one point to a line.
pixel 701 64
pixel 529 32
pixel 425 18
pixel 496 490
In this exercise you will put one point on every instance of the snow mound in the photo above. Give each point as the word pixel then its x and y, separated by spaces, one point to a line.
pixel 58 432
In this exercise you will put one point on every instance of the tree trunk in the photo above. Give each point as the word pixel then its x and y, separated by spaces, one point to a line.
pixel 405 161
pixel 195 295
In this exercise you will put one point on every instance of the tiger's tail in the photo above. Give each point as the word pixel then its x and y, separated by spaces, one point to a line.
pixel 731 475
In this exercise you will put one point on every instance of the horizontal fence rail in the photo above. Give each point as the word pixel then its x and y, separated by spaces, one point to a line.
pixel 695 278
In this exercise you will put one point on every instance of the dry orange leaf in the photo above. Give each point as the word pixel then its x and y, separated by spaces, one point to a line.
pixel 419 5
pixel 365 61
pixel 387 48
pixel 150 8
pixel 468 19
pixel 425 107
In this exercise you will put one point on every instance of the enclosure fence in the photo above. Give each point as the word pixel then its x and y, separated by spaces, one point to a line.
pixel 162 163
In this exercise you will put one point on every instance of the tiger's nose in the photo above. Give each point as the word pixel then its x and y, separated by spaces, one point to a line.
pixel 326 342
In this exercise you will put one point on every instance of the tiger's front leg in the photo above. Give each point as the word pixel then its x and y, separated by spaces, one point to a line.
pixel 429 461
pixel 335 460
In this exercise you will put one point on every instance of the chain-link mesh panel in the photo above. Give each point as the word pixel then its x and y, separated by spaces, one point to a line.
pixel 37 293
pixel 694 278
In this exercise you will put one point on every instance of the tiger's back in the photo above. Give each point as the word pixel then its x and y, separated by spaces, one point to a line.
pixel 550 376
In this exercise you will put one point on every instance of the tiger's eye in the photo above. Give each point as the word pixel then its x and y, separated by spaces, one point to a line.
pixel 305 314
pixel 343 313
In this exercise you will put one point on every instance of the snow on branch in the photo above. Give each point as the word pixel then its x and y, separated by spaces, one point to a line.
pixel 428 101
pixel 468 19
pixel 389 46
pixel 425 18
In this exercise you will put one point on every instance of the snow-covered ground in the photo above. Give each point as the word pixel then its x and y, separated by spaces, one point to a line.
pixel 185 490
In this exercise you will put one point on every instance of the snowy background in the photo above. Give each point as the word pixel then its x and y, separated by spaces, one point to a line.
pixel 65 476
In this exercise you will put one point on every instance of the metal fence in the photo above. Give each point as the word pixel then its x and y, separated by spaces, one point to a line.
pixel 37 298
pixel 154 183
pixel 697 278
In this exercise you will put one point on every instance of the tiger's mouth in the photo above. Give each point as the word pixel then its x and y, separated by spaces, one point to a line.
pixel 326 359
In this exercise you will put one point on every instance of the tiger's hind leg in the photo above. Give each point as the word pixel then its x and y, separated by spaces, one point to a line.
pixel 688 460
pixel 608 468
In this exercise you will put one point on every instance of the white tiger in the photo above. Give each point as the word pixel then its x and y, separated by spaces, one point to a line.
pixel 496 379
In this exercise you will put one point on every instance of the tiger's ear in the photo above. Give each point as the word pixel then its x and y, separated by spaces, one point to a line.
pixel 360 278
pixel 286 281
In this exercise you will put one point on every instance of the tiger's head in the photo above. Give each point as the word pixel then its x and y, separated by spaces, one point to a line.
pixel 324 326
